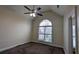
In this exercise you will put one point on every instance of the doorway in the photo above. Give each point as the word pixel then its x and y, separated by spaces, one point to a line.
pixel 72 35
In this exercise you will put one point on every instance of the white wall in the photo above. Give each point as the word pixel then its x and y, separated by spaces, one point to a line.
pixel 14 28
pixel 70 12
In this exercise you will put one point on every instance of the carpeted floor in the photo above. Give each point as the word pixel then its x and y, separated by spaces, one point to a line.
pixel 34 48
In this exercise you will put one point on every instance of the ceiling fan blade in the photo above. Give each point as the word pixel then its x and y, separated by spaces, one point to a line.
pixel 39 14
pixel 27 13
pixel 27 8
pixel 38 8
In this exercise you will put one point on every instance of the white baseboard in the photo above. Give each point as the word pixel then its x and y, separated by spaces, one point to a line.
pixel 50 44
pixel 65 51
pixel 6 48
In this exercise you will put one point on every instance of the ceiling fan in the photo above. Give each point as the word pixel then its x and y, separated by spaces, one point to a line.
pixel 33 11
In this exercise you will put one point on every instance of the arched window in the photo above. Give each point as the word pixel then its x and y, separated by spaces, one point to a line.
pixel 45 31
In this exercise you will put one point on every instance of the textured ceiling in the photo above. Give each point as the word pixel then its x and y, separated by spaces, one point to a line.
pixel 61 10
pixel 20 8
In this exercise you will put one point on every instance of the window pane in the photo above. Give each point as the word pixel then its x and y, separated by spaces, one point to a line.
pixel 48 30
pixel 48 38
pixel 74 37
pixel 41 30
pixel 41 37
pixel 45 23
pixel 74 42
pixel 73 30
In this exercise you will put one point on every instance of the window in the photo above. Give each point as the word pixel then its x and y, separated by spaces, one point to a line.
pixel 45 31
pixel 74 37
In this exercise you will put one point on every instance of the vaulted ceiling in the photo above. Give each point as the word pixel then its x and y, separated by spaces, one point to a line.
pixel 19 9
pixel 61 10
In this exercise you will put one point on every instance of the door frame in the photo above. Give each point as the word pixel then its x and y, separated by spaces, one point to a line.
pixel 70 32
pixel 76 25
pixel 70 45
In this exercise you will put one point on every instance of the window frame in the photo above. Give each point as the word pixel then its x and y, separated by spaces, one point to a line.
pixel 45 33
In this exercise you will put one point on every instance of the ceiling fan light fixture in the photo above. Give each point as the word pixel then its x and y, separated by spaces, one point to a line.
pixel 30 14
pixel 33 15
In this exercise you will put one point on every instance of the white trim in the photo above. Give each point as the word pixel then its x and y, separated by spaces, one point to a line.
pixel 50 44
pixel 65 51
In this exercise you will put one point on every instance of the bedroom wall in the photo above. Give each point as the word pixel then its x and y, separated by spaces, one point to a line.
pixel 57 22
pixel 14 28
